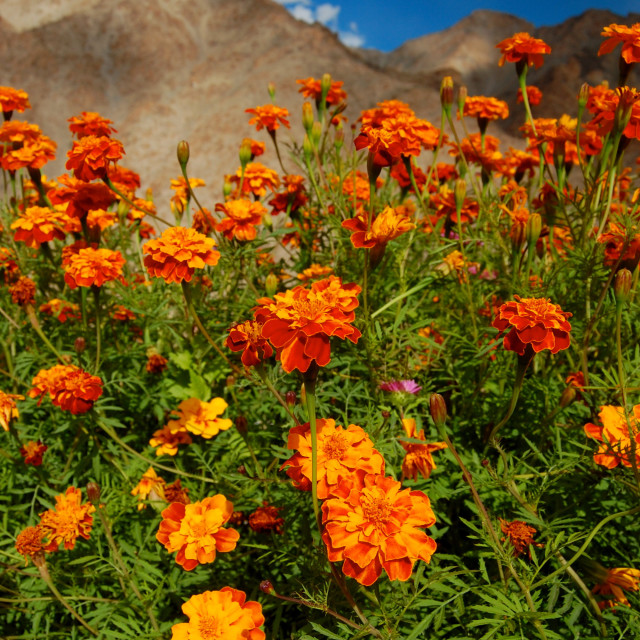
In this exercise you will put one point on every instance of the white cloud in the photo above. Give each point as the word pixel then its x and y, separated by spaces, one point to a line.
pixel 306 3
pixel 327 13
pixel 300 12
pixel 351 39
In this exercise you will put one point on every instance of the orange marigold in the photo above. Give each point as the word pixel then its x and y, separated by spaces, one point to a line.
pixel 81 197
pixel 182 192
pixel 269 117
pixel 534 323
pixel 314 272
pixel 29 543
pixel 300 321
pixel 418 458
pixel 150 487
pixel 485 108
pixel 312 88
pixel 377 527
pixel 389 224
pixel 92 267
pixel 68 386
pixel 628 36
pixel 521 47
pixel 177 253
pixel 61 310
pixel 257 179
pixel 247 337
pixel 33 155
pixel 91 156
pixel 341 452
pixel 90 123
pixel 220 615
pixel 519 534
pixel 201 418
pixel 257 148
pixel 8 409
pixel 266 518
pixel 534 95
pixel 292 198
pixel 36 225
pixel 616 434
pixel 156 363
pixel 615 581
pixel 13 99
pixel 241 219
pixel 167 440
pixel 32 452
pixel 196 531
pixel 23 291
pixel 67 521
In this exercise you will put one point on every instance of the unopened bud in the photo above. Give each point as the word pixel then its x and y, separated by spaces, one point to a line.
pixel 438 409
pixel 325 85
pixel 183 153
pixel 267 220
pixel 567 397
pixel 230 381
pixel 267 587
pixel 227 189
pixel 271 284
pixel 307 148
pixel 534 228
pixel 622 285
pixel 307 116
pixel 241 425
pixel 583 96
pixel 245 153
pixel 462 98
pixel 242 470
pixel 485 462
pixel 446 93
pixel 80 344
pixel 291 398
pixel 386 414
pixel 93 493
pixel 627 97
pixel 460 192
pixel 303 395
pixel 316 133
pixel 271 88
pixel 339 139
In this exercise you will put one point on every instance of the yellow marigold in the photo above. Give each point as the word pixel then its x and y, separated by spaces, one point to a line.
pixel 36 225
pixel 200 418
pixel 615 434
pixel 196 531
pixel 92 267
pixel 269 116
pixel 241 218
pixel 314 272
pixel 615 581
pixel 387 225
pixel 177 253
pixel 8 408
pixel 68 520
pixel 418 458
pixel 29 543
pixel 151 487
pixel 166 441
pixel 257 179
pixel 220 615
pixel 13 99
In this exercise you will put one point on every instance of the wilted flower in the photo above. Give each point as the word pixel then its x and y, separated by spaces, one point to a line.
pixel 519 534
pixel 418 458
pixel 150 487
pixel 8 408
pixel 23 291
pixel 266 518
pixel 156 363
pixel 29 543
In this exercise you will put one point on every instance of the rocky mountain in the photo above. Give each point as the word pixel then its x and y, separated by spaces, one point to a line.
pixel 166 70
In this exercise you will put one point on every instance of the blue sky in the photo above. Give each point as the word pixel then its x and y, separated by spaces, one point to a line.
pixel 384 25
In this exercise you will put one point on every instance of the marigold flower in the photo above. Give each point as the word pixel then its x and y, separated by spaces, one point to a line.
pixel 201 418
pixel 177 253
pixel 314 272
pixel 389 224
pixel 13 99
pixel 150 487
pixel 576 380
pixel 23 291
pixel 616 242
pixel 8 266
pixel 247 337
pixel 534 95
pixel 92 267
pixel 29 543
pixel 32 452
pixel 220 615
pixel 167 440
pixel 90 123
pixel 312 88
pixel 266 518
pixel 535 323
pixel 616 580
pixel 519 534
pixel 292 198
pixel 341 452
pixel 126 180
pixel 61 310
pixel 156 363
pixel 32 155
pixel 418 458
pixel 175 492
pixel 257 179
pixel 120 313
pixel 8 409
pixel 522 47
pixel 91 156
pixel 377 527
pixel 241 219
pixel 269 116
pixel 615 434
pixel 300 321
pixel 257 148
pixel 196 530
pixel 182 191
pixel 68 386
pixel 456 262
pixel 81 197
pixel 67 521
pixel 485 108
pixel 36 225
pixel 203 222
pixel 628 36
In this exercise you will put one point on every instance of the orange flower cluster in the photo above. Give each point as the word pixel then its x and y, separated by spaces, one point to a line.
pixel 266 518
pixel 92 267
pixel 533 323
pixel 91 156
pixel 68 386
pixel 61 310
pixel 196 531
pixel 220 615
pixel 616 435
pixel 241 218
pixel 521 47
pixel 300 321
pixel 615 581
pixel 312 88
pixel 8 409
pixel 389 224
pixel 36 225
pixel 29 148
pixel 80 197
pixel 247 337
pixel 628 36
pixel 32 452
pixel 519 534
pixel 269 117
pixel 13 100
pixel 373 525
pixel 23 291
pixel 177 253
pixel 200 418
pixel 67 521
pixel 341 452
pixel 90 123
pixel 418 458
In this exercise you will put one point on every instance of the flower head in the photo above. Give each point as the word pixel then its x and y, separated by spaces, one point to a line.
pixel 269 117
pixel 92 267
pixel 241 218
pixel 23 291
pixel 91 156
pixel 201 418
pixel 247 337
pixel 256 180
pixel 167 440
pixel 535 323
pixel 266 518
pixel 80 197
pixel 519 534
pixel 389 224
pixel 32 452
pixel 150 487
pixel 616 582
pixel 418 458
pixel 156 363
pixel 377 527
pixel 68 386
pixel 13 99
pixel 29 543
pixel 487 108
pixel 615 434
pixel 312 88
pixel 402 386
pixel 68 520
pixel 628 36
pixel 89 123
pixel 341 452
pixel 37 225
pixel 61 310
pixel 177 253
pixel 220 615
pixel 8 408
pixel 523 47
pixel 196 531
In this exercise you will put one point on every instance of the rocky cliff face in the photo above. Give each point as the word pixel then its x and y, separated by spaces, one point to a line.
pixel 166 70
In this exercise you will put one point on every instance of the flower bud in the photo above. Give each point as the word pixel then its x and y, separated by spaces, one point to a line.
pixel 622 285
pixel 245 153
pixel 438 409
pixel 567 397
pixel 307 116
pixel 325 85
pixel 183 153
pixel 291 398
pixel 446 93
pixel 267 587
pixel 583 96
pixel 534 228
pixel 227 189
pixel 460 192
pixel 339 139
pixel 267 220
pixel 316 133
pixel 462 98
pixel 385 414
pixel 271 88
pixel 627 97
pixel 80 344
pixel 303 396
pixel 307 148
pixel 271 284
pixel 93 493
pixel 242 425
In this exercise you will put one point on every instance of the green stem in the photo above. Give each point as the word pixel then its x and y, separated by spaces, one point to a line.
pixel 31 314
pixel 96 299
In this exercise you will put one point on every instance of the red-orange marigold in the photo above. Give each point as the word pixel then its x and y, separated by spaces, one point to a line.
pixel 269 116
pixel 522 47
pixel 68 520
pixel 68 386
pixel 92 267
pixel 91 156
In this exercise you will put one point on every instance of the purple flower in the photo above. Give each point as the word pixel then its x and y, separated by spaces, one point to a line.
pixel 404 386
